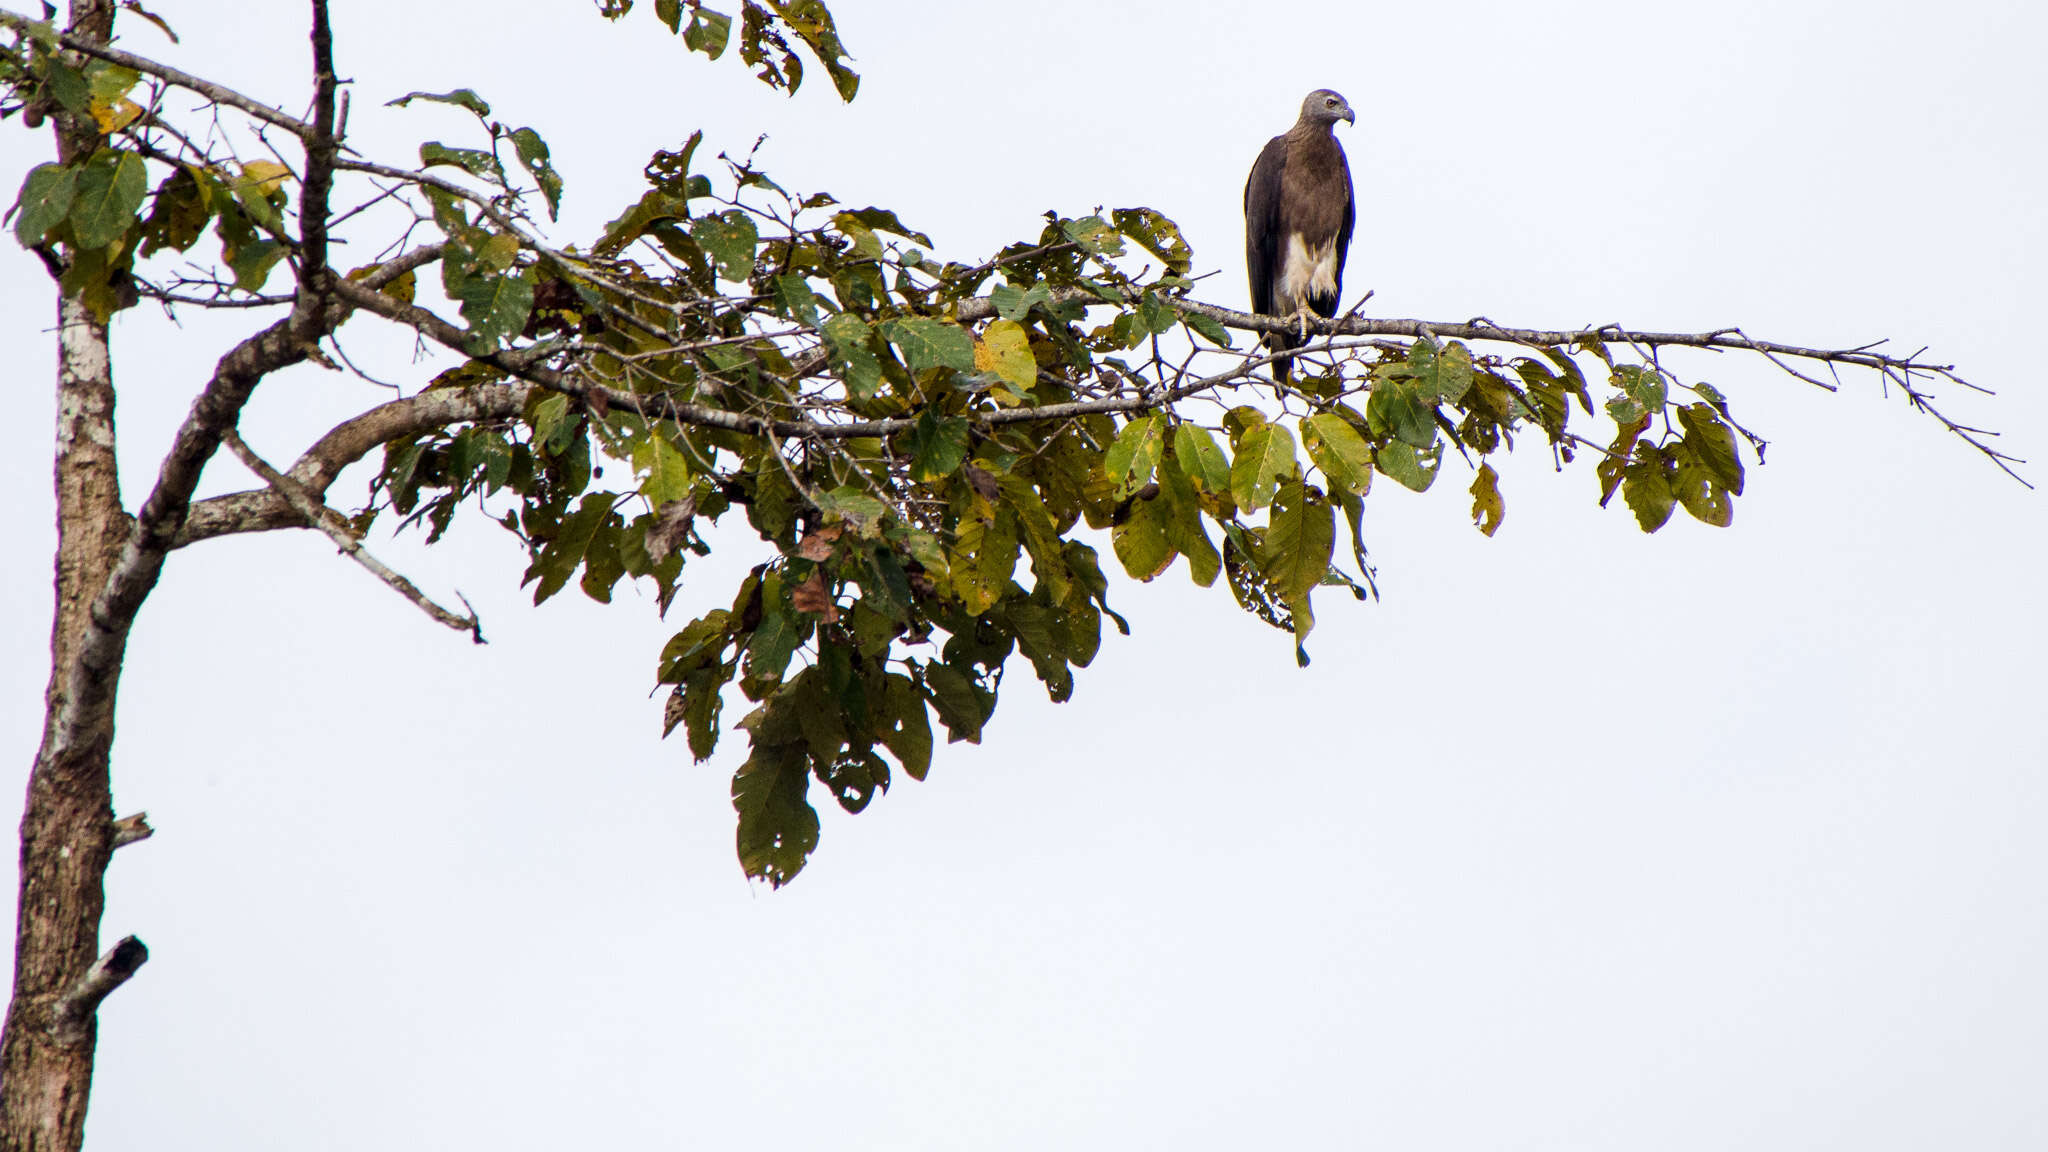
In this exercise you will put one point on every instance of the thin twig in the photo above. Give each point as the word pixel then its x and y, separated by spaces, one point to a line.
pixel 331 523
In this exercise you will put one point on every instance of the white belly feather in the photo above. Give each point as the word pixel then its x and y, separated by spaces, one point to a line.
pixel 1305 273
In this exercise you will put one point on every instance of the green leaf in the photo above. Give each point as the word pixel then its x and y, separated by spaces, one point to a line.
pixel 1397 407
pixel 707 33
pixel 602 563
pixel 550 421
pixel 908 735
pixel 108 82
pixel 854 506
pixel 778 828
pixel 1157 315
pixel 1201 459
pixel 959 702
pixel 1182 513
pixel 533 156
pixel 879 220
pixel 1411 469
pixel 1643 392
pixel 846 341
pixel 461 97
pixel 1300 535
pixel 1130 460
pixel 666 469
pixel 1337 448
pixel 938 446
pixel 1265 454
pixel 1140 541
pixel 109 190
pixel 1549 395
pixel 1012 302
pixel 253 263
pixel 986 556
pixel 179 216
pixel 1488 509
pixel 1573 380
pixel 1647 489
pixel 1453 373
pixel 795 300
pixel 1157 235
pixel 67 86
pixel 44 202
pixel 701 700
pixel 259 188
pixel 470 160
pixel 561 556
pixel 1698 489
pixel 728 238
pixel 495 306
pixel 774 641
pixel 1713 444
pixel 929 343
pixel 1094 235
pixel 1210 330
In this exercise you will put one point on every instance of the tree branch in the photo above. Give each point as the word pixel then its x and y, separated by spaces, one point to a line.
pixel 132 828
pixel 318 182
pixel 316 470
pixel 219 94
pixel 72 1014
pixel 264 509
pixel 330 522
pixel 90 684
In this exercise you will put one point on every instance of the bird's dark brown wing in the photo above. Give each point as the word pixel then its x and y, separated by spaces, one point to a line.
pixel 1264 242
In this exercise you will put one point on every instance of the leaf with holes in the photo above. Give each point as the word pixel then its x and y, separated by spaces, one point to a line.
pixel 729 238
pixel 1488 509
pixel 44 202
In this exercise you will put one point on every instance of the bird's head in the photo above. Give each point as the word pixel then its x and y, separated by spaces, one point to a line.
pixel 1323 106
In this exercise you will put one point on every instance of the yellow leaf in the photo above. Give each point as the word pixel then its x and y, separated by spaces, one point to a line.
pixel 1004 348
pixel 263 177
pixel 1488 509
pixel 496 253
pixel 115 116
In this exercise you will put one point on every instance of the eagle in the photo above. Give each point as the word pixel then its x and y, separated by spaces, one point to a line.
pixel 1297 221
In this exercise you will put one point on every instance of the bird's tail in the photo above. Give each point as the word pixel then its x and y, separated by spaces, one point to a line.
pixel 1281 342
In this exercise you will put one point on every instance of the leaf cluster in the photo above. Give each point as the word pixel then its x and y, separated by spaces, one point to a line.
pixel 931 454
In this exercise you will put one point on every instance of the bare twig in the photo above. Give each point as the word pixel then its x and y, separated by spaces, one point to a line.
pixel 335 527
pixel 132 828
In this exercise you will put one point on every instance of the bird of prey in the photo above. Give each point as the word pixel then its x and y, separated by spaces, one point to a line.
pixel 1297 221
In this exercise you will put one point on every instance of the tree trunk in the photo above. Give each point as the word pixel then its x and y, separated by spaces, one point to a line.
pixel 67 832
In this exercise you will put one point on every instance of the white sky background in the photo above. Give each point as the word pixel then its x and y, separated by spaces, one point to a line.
pixel 1581 839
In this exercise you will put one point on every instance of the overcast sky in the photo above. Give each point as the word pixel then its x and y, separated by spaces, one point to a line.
pixel 1581 839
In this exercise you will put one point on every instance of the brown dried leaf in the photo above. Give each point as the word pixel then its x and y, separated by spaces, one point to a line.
pixel 672 712
pixel 671 525
pixel 818 545
pixel 983 481
pixel 811 596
